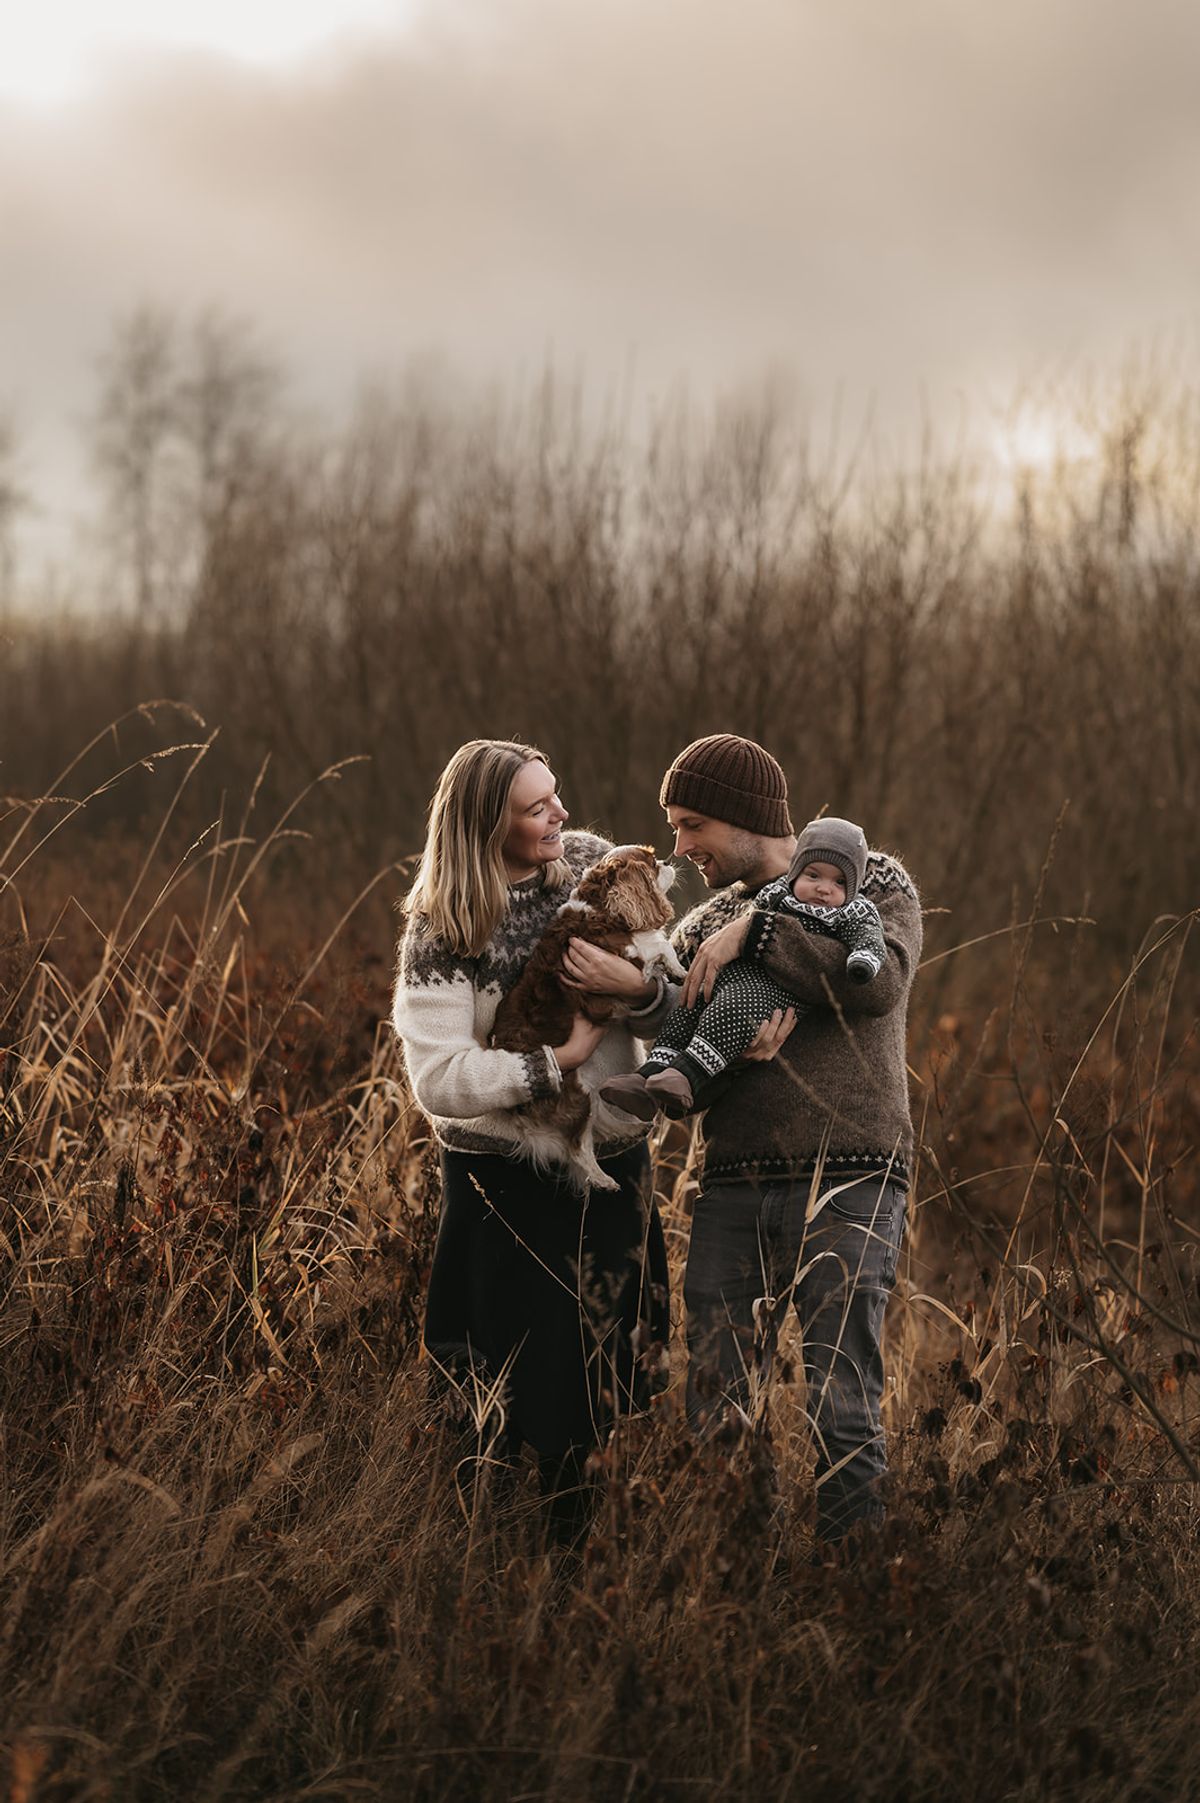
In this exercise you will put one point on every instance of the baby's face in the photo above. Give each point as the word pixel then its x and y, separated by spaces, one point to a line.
pixel 821 883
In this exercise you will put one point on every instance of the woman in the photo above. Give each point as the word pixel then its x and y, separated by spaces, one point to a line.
pixel 557 1299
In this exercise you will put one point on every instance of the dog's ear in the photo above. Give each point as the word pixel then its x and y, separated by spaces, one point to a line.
pixel 636 898
pixel 596 885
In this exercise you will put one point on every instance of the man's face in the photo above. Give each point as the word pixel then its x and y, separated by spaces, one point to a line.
pixel 723 854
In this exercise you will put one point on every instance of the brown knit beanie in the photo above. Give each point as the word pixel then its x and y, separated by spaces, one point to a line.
pixel 833 841
pixel 730 779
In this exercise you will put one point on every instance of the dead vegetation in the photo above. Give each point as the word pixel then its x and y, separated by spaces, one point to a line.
pixel 239 1554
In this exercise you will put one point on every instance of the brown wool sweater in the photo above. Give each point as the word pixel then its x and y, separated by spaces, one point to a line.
pixel 837 1094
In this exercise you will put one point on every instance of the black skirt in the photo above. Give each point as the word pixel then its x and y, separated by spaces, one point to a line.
pixel 558 1299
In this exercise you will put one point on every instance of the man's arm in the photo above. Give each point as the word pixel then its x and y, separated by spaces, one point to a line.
pixel 812 967
pixel 706 940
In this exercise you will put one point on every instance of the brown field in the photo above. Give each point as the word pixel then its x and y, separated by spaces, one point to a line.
pixel 240 1556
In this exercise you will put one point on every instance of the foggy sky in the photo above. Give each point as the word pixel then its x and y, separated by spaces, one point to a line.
pixel 897 194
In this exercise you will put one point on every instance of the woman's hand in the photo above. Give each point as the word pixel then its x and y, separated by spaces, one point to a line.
pixel 588 968
pixel 718 950
pixel 770 1036
pixel 585 1037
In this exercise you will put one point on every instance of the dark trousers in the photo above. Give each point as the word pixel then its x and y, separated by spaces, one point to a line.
pixel 547 1316
pixel 753 1254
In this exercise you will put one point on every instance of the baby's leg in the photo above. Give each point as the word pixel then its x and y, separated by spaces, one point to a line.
pixel 629 1092
pixel 673 1037
pixel 743 998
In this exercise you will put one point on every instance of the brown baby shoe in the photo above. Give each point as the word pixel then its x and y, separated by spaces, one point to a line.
pixel 672 1092
pixel 631 1095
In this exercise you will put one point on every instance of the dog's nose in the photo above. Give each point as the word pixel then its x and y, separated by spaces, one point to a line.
pixel 666 876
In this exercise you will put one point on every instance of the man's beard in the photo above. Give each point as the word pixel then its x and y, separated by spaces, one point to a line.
pixel 741 862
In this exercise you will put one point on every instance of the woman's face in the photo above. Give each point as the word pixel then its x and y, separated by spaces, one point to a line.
pixel 535 822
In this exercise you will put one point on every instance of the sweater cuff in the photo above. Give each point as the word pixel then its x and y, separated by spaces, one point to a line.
pixel 660 989
pixel 758 935
pixel 542 1073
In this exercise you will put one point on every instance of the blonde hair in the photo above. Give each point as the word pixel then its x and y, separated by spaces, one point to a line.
pixel 461 886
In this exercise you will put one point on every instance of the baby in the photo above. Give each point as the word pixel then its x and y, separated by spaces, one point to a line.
pixel 695 1045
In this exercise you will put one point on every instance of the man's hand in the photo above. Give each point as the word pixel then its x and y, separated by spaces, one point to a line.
pixel 770 1036
pixel 588 968
pixel 718 950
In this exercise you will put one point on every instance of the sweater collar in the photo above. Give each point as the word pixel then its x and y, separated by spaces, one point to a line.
pixel 528 885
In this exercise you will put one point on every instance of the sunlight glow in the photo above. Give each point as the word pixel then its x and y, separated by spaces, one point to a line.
pixel 1037 439
pixel 49 51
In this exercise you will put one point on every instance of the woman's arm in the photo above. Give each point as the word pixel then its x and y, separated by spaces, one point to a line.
pixel 812 967
pixel 644 1021
pixel 450 1073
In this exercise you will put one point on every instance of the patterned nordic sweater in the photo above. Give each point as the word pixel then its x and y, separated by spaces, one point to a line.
pixel 443 1007
pixel 838 1090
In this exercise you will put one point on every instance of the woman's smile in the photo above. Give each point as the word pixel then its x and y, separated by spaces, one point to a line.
pixel 536 817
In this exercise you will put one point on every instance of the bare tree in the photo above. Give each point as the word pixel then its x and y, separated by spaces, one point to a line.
pixel 178 433
pixel 131 430
pixel 225 408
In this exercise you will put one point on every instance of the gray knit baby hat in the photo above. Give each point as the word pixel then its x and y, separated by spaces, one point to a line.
pixel 833 841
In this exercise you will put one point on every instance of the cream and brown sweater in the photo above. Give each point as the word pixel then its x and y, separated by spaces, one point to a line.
pixel 837 1094
pixel 444 1006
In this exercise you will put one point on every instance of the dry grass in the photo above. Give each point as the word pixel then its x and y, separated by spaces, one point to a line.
pixel 241 1558
pixel 239 1555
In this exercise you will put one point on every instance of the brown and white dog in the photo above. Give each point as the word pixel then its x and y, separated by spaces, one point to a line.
pixel 619 905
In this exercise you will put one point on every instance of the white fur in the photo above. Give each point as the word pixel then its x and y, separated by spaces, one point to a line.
pixel 544 1148
pixel 656 953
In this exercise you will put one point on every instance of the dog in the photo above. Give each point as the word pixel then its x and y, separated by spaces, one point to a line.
pixel 619 905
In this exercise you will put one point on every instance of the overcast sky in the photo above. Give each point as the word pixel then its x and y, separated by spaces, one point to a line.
pixel 901 195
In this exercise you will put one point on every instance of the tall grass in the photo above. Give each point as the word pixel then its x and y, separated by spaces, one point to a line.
pixel 239 1553
pixel 240 1556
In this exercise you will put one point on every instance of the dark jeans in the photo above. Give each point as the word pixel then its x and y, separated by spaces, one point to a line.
pixel 752 1252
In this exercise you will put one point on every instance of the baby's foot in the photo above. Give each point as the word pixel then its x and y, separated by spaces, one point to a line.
pixel 672 1092
pixel 631 1094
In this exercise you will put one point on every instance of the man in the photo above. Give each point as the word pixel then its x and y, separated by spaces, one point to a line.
pixel 807 1153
